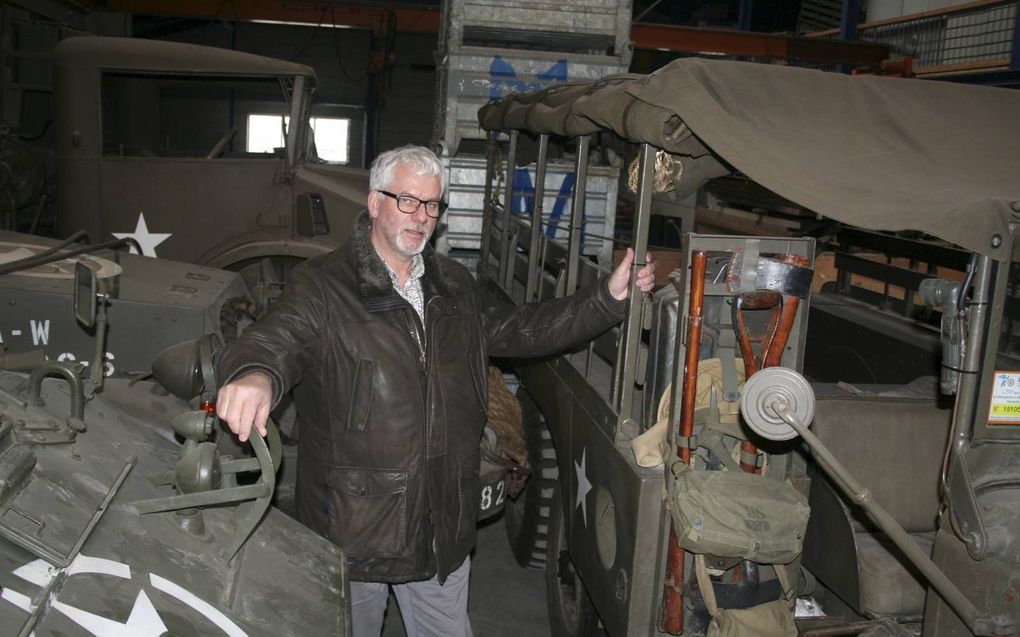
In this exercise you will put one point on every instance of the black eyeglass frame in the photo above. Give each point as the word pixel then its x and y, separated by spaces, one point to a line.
pixel 440 205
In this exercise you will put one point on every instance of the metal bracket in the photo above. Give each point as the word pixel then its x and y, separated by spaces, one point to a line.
pixel 960 492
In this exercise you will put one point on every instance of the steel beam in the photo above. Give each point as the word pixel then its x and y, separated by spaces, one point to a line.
pixel 306 12
pixel 747 44
pixel 427 20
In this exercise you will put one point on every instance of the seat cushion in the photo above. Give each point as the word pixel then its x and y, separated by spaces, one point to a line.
pixel 888 588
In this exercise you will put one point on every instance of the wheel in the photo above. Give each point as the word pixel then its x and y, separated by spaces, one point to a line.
pixel 527 515
pixel 265 277
pixel 571 613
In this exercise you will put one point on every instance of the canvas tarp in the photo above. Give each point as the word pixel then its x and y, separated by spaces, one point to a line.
pixel 879 153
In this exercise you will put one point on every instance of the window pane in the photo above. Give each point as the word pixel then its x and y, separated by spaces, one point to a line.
pixel 264 133
pixel 331 138
pixel 166 115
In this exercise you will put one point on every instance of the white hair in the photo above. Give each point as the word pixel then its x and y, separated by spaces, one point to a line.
pixel 419 159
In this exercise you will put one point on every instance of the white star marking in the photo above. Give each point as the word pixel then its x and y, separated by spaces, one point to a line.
pixel 144 621
pixel 147 240
pixel 583 487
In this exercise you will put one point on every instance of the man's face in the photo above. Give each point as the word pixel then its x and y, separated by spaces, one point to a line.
pixel 398 236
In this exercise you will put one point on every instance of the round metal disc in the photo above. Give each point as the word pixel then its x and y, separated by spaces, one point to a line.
pixel 766 386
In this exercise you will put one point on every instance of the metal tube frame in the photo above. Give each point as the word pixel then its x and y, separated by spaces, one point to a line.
pixel 492 147
pixel 627 358
pixel 508 194
pixel 537 210
pixel 297 101
pixel 970 376
pixel 576 239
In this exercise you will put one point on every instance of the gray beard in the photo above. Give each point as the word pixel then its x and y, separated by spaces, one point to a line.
pixel 409 251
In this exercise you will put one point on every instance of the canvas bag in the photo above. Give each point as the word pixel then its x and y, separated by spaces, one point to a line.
pixel 771 619
pixel 737 514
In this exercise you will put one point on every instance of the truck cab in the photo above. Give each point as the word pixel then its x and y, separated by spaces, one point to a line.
pixel 153 142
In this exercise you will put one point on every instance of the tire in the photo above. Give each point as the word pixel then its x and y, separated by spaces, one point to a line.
pixel 527 515
pixel 571 613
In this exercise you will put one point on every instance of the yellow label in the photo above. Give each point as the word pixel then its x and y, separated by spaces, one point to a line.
pixel 1005 410
pixel 1005 406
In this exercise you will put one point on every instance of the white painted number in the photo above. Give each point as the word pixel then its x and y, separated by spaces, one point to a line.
pixel 487 500
pixel 108 368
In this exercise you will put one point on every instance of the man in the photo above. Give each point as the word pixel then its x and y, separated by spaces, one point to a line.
pixel 386 344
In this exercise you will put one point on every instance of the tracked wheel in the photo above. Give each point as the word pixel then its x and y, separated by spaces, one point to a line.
pixel 571 612
pixel 527 515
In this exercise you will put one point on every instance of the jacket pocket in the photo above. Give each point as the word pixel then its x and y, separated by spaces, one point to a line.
pixel 361 397
pixel 468 484
pixel 368 512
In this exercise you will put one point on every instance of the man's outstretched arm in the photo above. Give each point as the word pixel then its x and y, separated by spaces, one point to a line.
pixel 548 327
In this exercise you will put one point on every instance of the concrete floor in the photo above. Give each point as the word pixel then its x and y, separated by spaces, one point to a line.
pixel 505 600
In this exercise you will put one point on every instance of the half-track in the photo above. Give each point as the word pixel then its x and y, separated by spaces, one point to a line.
pixel 927 541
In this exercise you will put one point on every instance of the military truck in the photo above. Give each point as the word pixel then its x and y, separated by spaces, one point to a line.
pixel 119 513
pixel 145 134
pixel 676 488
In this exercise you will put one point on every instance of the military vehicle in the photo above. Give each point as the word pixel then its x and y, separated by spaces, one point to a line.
pixel 119 512
pixel 668 495
pixel 144 145
pixel 153 304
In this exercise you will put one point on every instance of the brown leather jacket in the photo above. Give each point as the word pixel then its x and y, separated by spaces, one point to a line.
pixel 392 411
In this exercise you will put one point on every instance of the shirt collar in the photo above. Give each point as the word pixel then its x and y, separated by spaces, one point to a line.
pixel 417 270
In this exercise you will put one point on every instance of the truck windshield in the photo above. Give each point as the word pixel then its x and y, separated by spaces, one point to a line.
pixel 161 115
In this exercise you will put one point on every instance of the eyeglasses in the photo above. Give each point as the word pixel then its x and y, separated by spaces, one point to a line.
pixel 409 205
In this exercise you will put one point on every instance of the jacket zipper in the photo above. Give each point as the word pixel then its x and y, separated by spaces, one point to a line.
pixel 416 332
pixel 419 333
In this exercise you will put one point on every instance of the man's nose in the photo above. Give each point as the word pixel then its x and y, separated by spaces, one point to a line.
pixel 419 216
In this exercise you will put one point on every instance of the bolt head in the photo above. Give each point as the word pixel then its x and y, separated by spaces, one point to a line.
pixel 996 240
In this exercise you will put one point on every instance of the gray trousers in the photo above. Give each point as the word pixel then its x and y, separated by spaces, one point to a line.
pixel 427 608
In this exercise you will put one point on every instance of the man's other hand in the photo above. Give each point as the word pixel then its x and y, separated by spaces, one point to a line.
pixel 246 402
pixel 619 280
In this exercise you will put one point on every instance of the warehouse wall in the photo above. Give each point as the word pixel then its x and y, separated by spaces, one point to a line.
pixel 408 93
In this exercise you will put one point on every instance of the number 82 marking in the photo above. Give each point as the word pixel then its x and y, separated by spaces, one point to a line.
pixel 487 500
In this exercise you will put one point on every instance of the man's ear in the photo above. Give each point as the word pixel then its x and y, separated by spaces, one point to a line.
pixel 373 204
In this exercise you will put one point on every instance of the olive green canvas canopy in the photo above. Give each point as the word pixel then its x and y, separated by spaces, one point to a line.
pixel 879 153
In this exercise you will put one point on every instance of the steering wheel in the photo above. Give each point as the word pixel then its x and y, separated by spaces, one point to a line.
pixel 221 145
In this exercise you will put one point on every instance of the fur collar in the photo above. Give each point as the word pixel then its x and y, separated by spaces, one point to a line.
pixel 373 280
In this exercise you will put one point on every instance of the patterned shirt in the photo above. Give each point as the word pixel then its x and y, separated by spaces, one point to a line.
pixel 412 289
